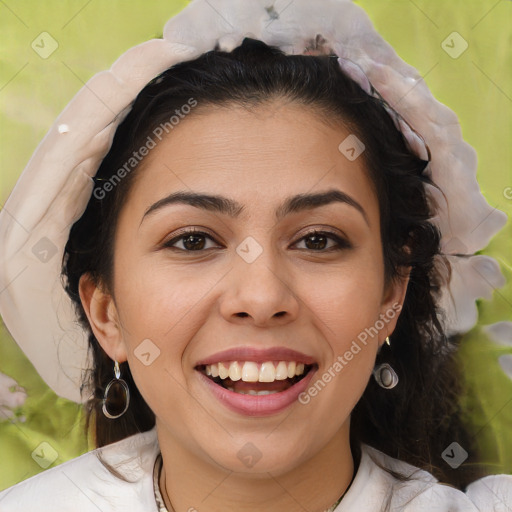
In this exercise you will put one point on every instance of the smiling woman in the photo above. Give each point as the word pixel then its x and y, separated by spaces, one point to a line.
pixel 261 295
pixel 328 244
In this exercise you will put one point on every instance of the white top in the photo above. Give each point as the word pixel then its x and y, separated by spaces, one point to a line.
pixel 84 484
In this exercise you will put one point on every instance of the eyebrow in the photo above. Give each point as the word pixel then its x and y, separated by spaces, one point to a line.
pixel 221 204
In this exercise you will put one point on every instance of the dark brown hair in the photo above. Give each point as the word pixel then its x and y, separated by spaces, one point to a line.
pixel 419 418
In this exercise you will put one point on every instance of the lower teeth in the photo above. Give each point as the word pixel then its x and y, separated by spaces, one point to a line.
pixel 252 392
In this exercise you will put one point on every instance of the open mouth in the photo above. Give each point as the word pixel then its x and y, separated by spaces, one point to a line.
pixel 251 378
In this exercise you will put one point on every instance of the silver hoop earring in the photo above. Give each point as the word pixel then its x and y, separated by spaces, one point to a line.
pixel 385 376
pixel 121 396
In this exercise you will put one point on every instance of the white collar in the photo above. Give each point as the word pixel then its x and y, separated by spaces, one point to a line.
pixel 371 488
pixel 85 484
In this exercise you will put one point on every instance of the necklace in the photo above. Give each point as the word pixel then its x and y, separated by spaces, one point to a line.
pixel 157 471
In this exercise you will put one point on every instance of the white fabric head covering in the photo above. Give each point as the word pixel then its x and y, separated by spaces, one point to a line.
pixel 54 189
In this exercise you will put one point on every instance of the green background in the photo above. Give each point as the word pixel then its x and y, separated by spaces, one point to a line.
pixel 92 34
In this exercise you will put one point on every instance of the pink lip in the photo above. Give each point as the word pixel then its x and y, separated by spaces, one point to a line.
pixel 257 355
pixel 254 405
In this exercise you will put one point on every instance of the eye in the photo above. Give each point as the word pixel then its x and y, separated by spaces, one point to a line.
pixel 192 240
pixel 318 240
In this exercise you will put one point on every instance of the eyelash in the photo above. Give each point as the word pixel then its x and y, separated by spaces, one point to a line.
pixel 341 242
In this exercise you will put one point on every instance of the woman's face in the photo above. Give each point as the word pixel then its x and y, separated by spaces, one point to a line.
pixel 252 286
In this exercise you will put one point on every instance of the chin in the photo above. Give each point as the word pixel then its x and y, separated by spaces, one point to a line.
pixel 258 455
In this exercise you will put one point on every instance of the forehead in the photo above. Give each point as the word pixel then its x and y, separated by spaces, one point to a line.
pixel 257 155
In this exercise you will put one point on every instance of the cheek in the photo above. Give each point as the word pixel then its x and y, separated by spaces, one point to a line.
pixel 159 313
pixel 346 305
pixel 345 308
pixel 161 308
pixel 347 298
pixel 154 298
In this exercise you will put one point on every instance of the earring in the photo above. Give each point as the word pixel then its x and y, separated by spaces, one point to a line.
pixel 385 376
pixel 116 402
pixel 388 340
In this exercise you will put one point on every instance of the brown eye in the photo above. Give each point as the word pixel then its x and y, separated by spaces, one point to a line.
pixel 318 241
pixel 191 241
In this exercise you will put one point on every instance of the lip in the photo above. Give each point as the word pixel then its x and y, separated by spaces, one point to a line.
pixel 257 355
pixel 258 405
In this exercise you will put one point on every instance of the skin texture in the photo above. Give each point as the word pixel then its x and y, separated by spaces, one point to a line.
pixel 196 303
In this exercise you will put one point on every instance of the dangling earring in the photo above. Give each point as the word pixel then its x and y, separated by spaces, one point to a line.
pixel 385 376
pixel 126 395
pixel 388 341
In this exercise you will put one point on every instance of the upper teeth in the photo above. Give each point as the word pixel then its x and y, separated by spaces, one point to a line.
pixel 250 371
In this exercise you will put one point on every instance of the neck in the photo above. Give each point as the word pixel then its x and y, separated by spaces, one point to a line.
pixel 190 484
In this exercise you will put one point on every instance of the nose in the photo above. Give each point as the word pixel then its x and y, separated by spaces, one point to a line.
pixel 259 292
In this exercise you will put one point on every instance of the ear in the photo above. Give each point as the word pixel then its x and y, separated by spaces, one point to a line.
pixel 103 318
pixel 392 303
